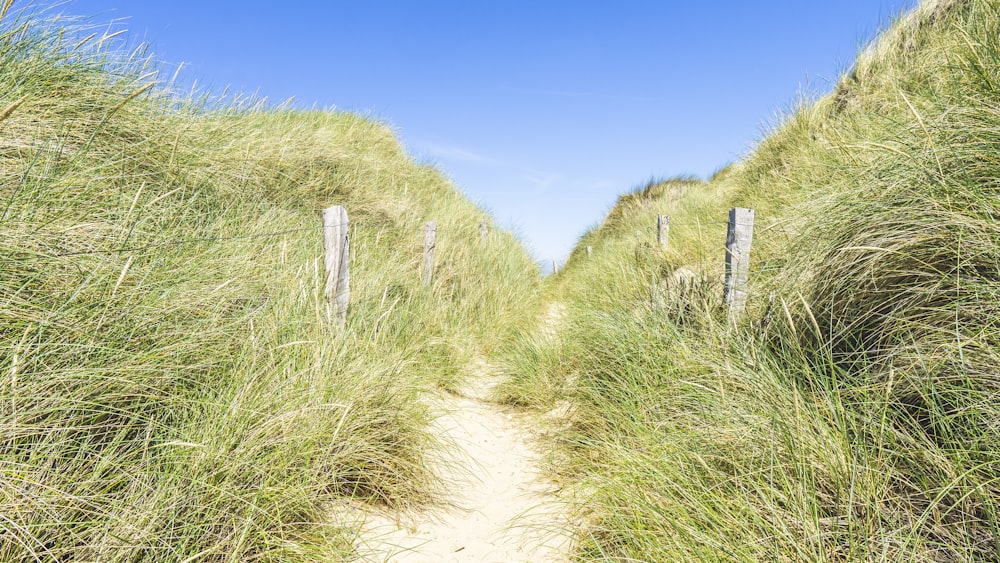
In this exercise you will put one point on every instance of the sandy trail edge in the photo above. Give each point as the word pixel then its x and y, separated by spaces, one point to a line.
pixel 501 509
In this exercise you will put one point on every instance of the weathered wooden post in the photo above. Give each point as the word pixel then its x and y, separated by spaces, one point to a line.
pixel 590 250
pixel 430 234
pixel 484 231
pixel 738 240
pixel 555 267
pixel 336 246
pixel 662 230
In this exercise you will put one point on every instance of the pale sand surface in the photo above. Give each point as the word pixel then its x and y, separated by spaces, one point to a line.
pixel 500 508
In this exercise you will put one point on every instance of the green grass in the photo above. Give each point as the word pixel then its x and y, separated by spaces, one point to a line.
pixel 190 400
pixel 851 417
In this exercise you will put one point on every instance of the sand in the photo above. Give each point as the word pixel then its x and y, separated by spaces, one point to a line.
pixel 500 506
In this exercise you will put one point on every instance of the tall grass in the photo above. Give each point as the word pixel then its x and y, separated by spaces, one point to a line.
pixel 171 387
pixel 851 414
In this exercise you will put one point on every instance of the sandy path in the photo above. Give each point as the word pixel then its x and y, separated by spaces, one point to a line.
pixel 501 509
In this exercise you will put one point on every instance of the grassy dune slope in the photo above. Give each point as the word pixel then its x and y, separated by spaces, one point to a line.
pixel 854 417
pixel 186 398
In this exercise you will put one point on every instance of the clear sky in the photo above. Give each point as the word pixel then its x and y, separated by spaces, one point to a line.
pixel 542 111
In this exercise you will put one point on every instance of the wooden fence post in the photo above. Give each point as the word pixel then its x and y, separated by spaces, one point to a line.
pixel 590 250
pixel 430 234
pixel 738 240
pixel 336 247
pixel 484 231
pixel 662 230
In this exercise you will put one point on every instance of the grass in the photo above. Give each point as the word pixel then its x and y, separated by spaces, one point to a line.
pixel 851 413
pixel 188 399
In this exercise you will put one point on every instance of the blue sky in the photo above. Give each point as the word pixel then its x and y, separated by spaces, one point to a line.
pixel 542 111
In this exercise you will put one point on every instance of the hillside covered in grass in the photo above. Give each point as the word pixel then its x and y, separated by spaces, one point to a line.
pixel 171 386
pixel 853 412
